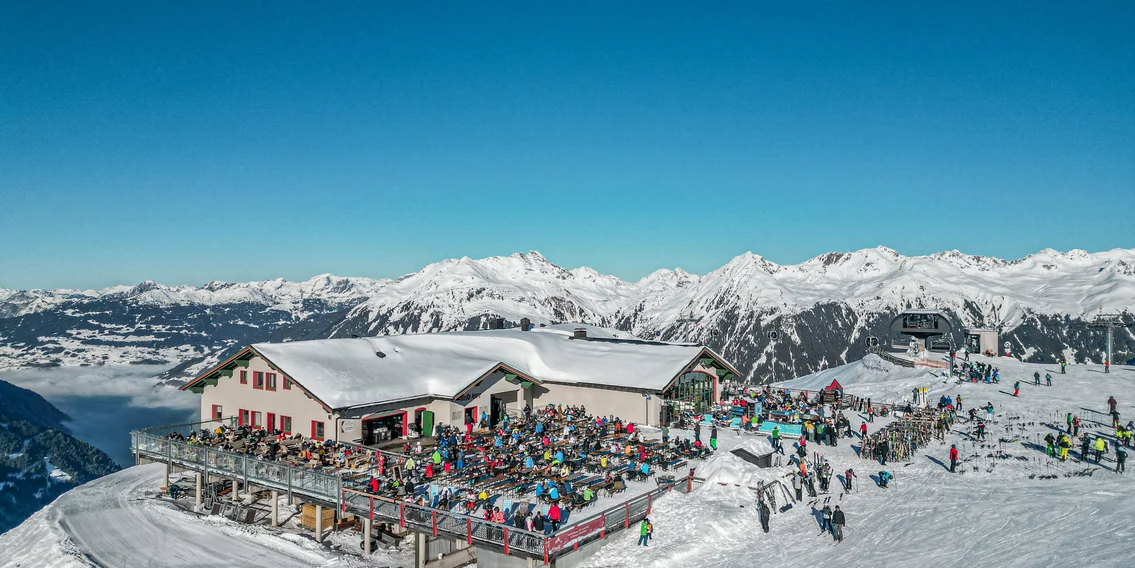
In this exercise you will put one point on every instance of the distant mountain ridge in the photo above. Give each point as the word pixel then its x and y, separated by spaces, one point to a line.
pixel 823 309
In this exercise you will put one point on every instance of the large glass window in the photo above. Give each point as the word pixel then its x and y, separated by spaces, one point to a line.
pixel 692 391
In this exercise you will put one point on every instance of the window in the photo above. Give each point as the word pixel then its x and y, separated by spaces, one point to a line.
pixel 217 412
pixel 244 377
pixel 287 384
pixel 243 417
pixel 316 430
pixel 271 381
pixel 258 380
pixel 286 424
pixel 256 422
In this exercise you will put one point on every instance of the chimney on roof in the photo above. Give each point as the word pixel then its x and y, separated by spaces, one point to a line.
pixel 525 324
pixel 579 333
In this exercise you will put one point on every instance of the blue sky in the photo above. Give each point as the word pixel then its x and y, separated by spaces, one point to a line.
pixel 185 142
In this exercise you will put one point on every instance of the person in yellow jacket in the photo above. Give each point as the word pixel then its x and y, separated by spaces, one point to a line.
pixel 1064 444
pixel 1101 447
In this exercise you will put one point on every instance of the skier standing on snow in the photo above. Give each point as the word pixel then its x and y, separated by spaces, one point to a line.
pixel 1017 388
pixel 1063 364
pixel 1120 459
pixel 1048 378
pixel 884 449
pixel 862 430
pixel 1106 366
pixel 1068 419
pixel 953 457
pixel 798 485
pixel 776 440
pixel 1085 445
pixel 958 406
pixel 1101 447
pixel 1036 378
pixel 826 523
pixel 1075 426
pixel 980 429
pixel 1050 440
pixel 838 521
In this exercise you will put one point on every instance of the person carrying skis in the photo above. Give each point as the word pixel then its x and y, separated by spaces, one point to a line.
pixel 1017 388
pixel 848 476
pixel 838 520
pixel 763 511
pixel 826 522
pixel 953 457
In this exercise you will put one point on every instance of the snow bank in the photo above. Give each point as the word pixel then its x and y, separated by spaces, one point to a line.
pixel 725 468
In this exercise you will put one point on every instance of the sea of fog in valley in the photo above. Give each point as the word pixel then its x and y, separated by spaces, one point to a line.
pixel 105 403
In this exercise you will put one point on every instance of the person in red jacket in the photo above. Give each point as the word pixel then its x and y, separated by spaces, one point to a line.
pixel 554 516
pixel 953 457
pixel 863 430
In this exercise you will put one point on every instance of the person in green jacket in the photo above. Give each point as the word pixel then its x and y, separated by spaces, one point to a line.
pixel 644 532
pixel 588 494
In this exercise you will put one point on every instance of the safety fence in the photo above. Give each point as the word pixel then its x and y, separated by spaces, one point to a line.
pixel 155 444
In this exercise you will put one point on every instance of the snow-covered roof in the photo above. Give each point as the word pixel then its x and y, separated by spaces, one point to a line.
pixel 349 372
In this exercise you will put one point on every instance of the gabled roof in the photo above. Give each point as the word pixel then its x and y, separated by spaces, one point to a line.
pixel 835 386
pixel 349 372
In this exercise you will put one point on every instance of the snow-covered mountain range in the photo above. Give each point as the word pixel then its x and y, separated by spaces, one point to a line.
pixel 823 309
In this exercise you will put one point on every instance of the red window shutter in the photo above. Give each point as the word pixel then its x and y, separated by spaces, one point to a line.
pixel 241 417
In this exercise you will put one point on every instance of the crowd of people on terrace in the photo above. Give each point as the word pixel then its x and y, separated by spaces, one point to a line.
pixel 529 471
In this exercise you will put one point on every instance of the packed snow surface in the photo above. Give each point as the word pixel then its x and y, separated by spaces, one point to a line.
pixel 349 372
pixel 115 521
pixel 997 513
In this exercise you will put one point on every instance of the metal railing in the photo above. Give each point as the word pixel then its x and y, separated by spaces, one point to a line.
pixel 328 488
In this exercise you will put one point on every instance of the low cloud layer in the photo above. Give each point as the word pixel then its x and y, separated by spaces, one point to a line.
pixel 136 383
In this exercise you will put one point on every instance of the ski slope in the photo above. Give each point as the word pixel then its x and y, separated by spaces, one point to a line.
pixel 994 515
pixel 115 521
